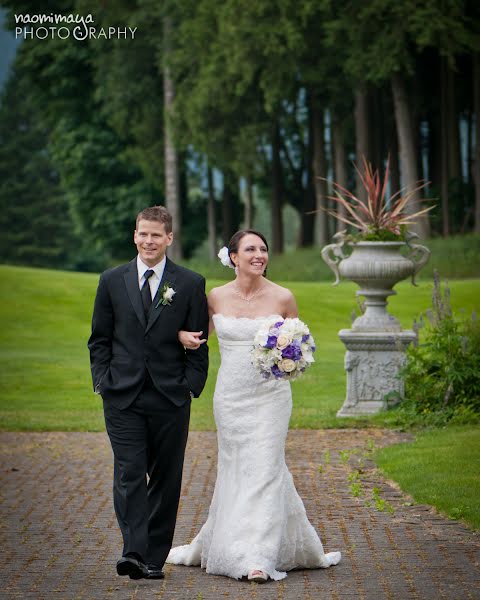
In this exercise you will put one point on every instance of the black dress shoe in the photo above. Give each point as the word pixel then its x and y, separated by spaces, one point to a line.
pixel 155 572
pixel 132 567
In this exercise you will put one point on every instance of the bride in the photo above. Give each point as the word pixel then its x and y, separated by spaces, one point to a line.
pixel 257 525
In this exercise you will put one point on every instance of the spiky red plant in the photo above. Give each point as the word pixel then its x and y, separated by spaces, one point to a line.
pixel 379 214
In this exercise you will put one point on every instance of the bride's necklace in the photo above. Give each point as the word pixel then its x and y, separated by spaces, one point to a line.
pixel 245 298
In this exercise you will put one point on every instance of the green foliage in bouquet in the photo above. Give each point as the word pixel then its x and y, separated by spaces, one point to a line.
pixel 442 373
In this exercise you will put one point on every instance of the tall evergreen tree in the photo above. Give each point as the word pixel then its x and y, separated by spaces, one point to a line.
pixel 35 220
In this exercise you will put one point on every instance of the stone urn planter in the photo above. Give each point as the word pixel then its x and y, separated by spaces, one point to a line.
pixel 376 342
pixel 376 267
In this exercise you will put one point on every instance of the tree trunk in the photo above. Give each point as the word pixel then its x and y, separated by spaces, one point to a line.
pixel 392 151
pixel 377 121
pixel 469 149
pixel 172 195
pixel 228 199
pixel 444 146
pixel 362 144
pixel 340 165
pixel 249 203
pixel 476 160
pixel 454 156
pixel 434 150
pixel 211 223
pixel 408 150
pixel 319 171
pixel 277 191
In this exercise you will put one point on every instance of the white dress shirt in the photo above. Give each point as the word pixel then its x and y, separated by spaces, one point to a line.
pixel 154 280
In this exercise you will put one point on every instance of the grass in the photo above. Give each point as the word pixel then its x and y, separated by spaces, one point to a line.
pixel 441 468
pixel 45 376
pixel 45 323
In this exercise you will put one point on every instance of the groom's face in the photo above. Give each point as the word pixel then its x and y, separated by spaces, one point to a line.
pixel 152 241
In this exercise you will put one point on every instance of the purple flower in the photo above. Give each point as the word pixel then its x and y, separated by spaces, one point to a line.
pixel 271 342
pixel 279 324
pixel 305 338
pixel 292 351
pixel 276 372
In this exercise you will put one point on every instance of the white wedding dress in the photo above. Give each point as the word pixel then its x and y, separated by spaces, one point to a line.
pixel 256 519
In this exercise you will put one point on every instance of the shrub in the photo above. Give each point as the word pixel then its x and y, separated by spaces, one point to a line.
pixel 442 372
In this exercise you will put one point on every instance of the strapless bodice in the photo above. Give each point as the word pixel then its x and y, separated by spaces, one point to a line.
pixel 238 330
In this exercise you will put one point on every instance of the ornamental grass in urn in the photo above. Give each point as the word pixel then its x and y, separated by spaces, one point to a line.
pixel 376 262
pixel 379 218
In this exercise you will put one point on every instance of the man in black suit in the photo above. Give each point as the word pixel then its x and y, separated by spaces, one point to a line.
pixel 147 379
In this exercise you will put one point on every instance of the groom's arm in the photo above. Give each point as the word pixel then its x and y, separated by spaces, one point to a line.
pixel 100 341
pixel 196 361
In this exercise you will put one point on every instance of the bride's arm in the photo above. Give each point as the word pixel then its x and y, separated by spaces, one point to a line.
pixel 211 309
pixel 290 306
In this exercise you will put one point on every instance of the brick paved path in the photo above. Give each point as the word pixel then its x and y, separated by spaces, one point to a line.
pixel 60 538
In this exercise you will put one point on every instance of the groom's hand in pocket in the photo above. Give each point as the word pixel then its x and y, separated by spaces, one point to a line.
pixel 98 386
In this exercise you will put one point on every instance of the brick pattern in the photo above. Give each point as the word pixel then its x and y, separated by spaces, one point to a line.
pixel 59 536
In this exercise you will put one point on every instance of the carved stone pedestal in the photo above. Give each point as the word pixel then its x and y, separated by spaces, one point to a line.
pixel 372 362
pixel 376 343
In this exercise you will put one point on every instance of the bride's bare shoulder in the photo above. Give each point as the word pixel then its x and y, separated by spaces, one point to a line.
pixel 280 292
pixel 285 300
pixel 217 295
pixel 220 291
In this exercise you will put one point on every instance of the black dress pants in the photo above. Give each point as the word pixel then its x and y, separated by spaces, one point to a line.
pixel 148 438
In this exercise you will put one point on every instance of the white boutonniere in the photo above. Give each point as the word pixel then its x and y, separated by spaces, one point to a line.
pixel 167 295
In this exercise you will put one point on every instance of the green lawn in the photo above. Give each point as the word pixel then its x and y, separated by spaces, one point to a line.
pixel 441 468
pixel 45 323
pixel 45 376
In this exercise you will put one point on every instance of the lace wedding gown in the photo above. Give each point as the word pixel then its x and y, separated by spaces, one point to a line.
pixel 256 519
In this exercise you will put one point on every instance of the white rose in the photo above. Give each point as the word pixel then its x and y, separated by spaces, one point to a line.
pixel 272 357
pixel 307 353
pixel 261 339
pixel 287 365
pixel 302 327
pixel 283 341
pixel 308 357
pixel 289 327
pixel 169 294
pixel 262 336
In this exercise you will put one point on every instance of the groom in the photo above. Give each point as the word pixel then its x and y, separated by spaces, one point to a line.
pixel 147 379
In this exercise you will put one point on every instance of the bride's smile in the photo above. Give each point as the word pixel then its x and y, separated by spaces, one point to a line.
pixel 251 257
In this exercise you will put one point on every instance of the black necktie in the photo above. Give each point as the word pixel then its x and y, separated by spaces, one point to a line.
pixel 146 293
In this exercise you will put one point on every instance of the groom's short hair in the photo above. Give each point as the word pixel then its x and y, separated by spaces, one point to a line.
pixel 156 213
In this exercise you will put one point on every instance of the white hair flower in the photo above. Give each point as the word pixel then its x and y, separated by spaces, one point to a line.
pixel 224 257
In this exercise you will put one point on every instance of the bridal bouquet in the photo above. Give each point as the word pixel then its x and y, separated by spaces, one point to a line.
pixel 283 349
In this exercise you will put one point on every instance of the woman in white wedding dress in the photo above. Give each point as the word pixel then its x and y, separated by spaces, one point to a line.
pixel 257 525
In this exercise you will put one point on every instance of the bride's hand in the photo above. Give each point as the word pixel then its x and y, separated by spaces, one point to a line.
pixel 191 340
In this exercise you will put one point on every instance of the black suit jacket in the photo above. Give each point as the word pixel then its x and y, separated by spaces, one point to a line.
pixel 124 346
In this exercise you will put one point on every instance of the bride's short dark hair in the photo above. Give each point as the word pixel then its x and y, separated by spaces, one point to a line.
pixel 234 242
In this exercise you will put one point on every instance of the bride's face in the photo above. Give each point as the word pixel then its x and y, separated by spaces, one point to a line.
pixel 252 255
